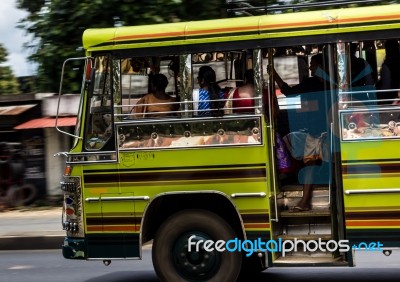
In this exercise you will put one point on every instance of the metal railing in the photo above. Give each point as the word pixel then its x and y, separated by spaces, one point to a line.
pixel 247 8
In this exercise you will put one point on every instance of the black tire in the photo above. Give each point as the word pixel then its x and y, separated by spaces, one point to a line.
pixel 173 262
pixel 21 195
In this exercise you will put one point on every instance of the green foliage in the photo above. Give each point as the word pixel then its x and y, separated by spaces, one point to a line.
pixel 30 6
pixel 8 82
pixel 192 10
pixel 57 27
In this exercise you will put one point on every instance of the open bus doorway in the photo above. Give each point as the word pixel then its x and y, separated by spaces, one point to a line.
pixel 306 160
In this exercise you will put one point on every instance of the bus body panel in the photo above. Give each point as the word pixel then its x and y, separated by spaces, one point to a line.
pixel 370 175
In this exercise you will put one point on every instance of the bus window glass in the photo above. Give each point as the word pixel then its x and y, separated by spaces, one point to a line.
pixel 99 124
pixel 229 70
pixel 139 97
pixel 292 65
pixel 370 125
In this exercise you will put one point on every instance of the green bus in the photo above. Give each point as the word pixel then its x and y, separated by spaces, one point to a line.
pixel 215 192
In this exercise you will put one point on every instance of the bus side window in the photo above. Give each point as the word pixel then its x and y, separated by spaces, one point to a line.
pixel 140 98
pixel 224 68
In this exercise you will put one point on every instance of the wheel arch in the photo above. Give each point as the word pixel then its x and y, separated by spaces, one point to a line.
pixel 164 205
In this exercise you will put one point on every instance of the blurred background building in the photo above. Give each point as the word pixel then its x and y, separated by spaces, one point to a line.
pixel 28 142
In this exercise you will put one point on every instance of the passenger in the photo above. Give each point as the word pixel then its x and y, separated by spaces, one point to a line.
pixel 390 71
pixel 397 101
pixel 370 56
pixel 157 103
pixel 310 84
pixel 361 71
pixel 210 96
pixel 303 145
pixel 361 81
pixel 240 99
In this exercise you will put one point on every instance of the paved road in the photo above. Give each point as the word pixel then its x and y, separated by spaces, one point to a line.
pixel 49 266
pixel 41 229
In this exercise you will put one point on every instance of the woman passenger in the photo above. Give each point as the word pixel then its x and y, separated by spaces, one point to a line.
pixel 240 99
pixel 210 94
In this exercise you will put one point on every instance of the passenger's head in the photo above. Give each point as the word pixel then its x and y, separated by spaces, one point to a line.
pixel 159 82
pixel 249 77
pixel 315 63
pixel 206 76
pixel 353 48
pixel 392 48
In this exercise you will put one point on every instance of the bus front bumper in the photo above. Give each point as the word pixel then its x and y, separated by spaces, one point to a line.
pixel 74 248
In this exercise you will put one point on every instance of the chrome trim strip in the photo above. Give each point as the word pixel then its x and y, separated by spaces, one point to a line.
pixel 272 135
pixel 372 191
pixel 92 162
pixel 92 157
pixel 117 199
pixel 95 153
pixel 249 195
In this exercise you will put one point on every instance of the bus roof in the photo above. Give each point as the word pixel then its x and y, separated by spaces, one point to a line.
pixel 322 22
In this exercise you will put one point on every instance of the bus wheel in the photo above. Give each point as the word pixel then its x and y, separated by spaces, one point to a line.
pixel 171 257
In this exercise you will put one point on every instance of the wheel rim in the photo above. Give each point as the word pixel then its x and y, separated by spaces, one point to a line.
pixel 195 265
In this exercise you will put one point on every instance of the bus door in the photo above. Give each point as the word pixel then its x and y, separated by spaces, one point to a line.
pixel 304 151
pixel 109 206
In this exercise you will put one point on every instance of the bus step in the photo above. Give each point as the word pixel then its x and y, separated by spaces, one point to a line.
pixel 313 229
pixel 304 260
pixel 299 194
pixel 315 212
pixel 305 237
pixel 299 187
pixel 289 199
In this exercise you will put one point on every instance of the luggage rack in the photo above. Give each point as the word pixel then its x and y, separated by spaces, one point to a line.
pixel 261 7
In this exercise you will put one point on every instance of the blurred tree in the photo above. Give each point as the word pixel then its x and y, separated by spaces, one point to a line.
pixel 57 27
pixel 8 82
pixel 195 10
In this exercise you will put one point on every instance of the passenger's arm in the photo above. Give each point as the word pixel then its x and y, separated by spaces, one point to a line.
pixel 139 109
pixel 284 87
pixel 385 77
pixel 278 79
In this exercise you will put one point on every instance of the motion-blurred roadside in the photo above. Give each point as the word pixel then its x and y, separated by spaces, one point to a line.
pixel 31 228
